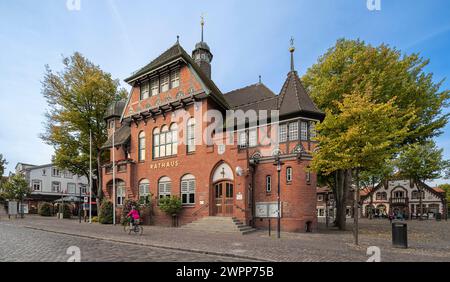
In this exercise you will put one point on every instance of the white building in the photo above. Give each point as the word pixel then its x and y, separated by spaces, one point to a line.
pixel 49 183
pixel 403 198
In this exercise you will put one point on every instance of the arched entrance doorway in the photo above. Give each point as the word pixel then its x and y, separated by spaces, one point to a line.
pixel 223 190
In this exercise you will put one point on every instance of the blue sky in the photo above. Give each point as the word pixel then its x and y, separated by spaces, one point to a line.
pixel 247 38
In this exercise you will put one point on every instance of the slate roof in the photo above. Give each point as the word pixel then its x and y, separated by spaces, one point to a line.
pixel 292 100
pixel 247 95
pixel 121 136
pixel 115 109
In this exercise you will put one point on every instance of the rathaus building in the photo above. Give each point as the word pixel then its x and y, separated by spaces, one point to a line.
pixel 222 154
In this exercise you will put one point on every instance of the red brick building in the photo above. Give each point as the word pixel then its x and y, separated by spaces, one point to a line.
pixel 164 144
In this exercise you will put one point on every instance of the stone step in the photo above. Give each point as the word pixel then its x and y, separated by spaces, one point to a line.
pixel 219 225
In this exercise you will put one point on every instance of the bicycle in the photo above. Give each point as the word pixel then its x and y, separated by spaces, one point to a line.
pixel 133 227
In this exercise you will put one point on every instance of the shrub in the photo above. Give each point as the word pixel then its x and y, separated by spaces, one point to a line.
pixel 45 209
pixel 171 205
pixel 95 219
pixel 67 211
pixel 105 215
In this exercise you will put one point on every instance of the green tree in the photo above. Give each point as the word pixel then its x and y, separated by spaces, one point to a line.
pixel 354 67
pixel 3 164
pixel 446 188
pixel 421 162
pixel 78 98
pixel 362 136
pixel 16 188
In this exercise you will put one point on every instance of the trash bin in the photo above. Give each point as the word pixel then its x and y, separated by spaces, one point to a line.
pixel 438 216
pixel 399 235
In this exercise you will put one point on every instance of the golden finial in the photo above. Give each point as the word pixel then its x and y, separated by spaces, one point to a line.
pixel 292 48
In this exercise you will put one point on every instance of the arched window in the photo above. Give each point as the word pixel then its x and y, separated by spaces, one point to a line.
pixel 120 191
pixel 190 135
pixel 141 146
pixel 144 190
pixel 289 174
pixel 188 189
pixel 163 141
pixel 156 145
pixel 174 131
pixel 164 187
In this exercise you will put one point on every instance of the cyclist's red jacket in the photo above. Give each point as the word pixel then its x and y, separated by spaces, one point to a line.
pixel 134 214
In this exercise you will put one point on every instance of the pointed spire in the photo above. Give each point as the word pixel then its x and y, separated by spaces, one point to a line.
pixel 202 23
pixel 292 49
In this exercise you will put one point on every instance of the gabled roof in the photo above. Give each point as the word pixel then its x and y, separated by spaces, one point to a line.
pixel 177 52
pixel 249 94
pixel 167 56
pixel 293 98
pixel 121 136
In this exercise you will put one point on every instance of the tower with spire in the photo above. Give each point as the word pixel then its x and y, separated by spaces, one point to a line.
pixel 202 54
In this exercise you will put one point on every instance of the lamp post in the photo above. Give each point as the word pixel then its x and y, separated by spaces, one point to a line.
pixel 278 163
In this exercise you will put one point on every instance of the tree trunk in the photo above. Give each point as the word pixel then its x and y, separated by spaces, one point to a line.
pixel 342 189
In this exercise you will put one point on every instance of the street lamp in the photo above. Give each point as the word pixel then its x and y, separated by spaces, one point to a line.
pixel 278 163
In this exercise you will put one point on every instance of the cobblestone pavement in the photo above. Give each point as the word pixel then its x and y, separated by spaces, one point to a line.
pixel 428 241
pixel 22 244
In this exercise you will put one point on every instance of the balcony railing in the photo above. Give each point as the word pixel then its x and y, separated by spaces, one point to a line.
pixel 399 201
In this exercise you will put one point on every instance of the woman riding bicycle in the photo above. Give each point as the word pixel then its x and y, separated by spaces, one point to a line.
pixel 133 215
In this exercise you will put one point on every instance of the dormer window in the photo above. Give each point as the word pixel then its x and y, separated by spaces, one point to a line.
pixel 165 83
pixel 145 91
pixel 154 86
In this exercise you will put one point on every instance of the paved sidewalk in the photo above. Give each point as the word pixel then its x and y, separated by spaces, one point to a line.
pixel 429 241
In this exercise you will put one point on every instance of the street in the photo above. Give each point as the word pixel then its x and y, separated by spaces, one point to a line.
pixel 19 244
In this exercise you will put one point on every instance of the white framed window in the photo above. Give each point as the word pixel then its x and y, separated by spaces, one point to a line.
pixel 253 137
pixel 312 130
pixel 154 86
pixel 320 198
pixel 174 138
pixel 145 90
pixel 56 172
pixel 144 189
pixel 175 78
pixel 83 188
pixel 164 187
pixel 268 183
pixel 188 190
pixel 120 192
pixel 68 174
pixel 289 174
pixel 293 131
pixel 111 124
pixel 56 187
pixel 156 135
pixel 242 139
pixel 36 185
pixel 304 130
pixel 282 133
pixel 165 82
pixel 190 135
pixel 141 146
pixel 308 177
pixel 71 188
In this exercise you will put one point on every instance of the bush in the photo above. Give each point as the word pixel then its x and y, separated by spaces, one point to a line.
pixel 45 209
pixel 171 205
pixel 105 215
pixel 95 219
pixel 67 211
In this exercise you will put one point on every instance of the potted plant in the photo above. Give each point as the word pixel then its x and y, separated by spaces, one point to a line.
pixel 172 206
